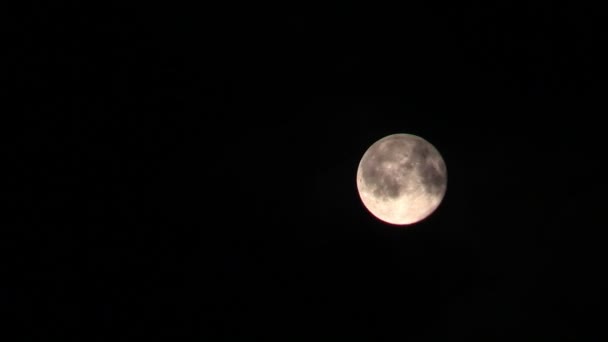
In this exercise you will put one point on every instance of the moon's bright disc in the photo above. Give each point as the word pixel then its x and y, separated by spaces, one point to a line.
pixel 401 179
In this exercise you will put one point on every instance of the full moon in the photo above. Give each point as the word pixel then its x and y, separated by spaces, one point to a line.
pixel 401 179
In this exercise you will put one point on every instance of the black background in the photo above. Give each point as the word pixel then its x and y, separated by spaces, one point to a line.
pixel 189 171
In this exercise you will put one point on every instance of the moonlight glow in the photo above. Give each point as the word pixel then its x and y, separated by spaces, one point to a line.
pixel 401 179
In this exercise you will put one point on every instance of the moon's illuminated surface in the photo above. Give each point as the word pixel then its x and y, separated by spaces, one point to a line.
pixel 401 179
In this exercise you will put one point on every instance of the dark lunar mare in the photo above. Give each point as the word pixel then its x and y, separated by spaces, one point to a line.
pixel 382 182
pixel 430 169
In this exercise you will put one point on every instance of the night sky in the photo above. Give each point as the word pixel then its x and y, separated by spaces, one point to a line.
pixel 188 172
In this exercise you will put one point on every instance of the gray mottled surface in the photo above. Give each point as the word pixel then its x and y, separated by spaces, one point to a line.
pixel 403 171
